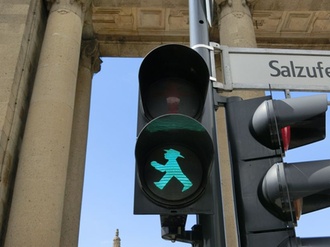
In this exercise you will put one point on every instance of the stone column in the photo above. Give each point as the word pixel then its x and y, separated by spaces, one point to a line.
pixel 38 199
pixel 236 30
pixel 235 23
pixel 89 64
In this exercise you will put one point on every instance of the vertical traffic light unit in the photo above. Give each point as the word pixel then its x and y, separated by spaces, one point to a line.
pixel 270 194
pixel 174 151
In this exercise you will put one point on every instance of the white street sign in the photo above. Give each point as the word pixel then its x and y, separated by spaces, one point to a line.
pixel 278 69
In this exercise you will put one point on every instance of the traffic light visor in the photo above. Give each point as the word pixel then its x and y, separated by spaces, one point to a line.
pixel 305 117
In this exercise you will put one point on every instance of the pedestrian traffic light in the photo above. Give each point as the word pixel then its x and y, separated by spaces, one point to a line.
pixel 270 194
pixel 174 151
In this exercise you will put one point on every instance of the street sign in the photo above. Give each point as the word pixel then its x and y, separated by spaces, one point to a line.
pixel 278 69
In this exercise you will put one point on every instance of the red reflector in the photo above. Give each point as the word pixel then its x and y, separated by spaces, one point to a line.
pixel 173 104
pixel 286 136
pixel 172 97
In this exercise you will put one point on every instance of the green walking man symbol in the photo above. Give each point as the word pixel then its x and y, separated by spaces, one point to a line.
pixel 171 169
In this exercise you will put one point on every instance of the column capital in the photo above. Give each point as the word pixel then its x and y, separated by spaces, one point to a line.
pixel 90 49
pixel 243 3
pixel 85 4
pixel 238 7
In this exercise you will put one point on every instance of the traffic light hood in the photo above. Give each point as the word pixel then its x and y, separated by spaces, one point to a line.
pixel 284 183
pixel 304 115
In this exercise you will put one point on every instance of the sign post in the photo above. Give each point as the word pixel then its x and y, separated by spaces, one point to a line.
pixel 212 225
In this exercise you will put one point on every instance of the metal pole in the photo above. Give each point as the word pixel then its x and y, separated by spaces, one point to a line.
pixel 212 225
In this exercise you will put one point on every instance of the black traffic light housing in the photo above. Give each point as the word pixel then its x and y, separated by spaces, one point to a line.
pixel 270 194
pixel 250 162
pixel 174 151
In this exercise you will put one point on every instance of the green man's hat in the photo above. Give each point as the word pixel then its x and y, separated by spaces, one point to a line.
pixel 174 152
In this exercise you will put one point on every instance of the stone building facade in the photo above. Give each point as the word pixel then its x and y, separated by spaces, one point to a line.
pixel 50 50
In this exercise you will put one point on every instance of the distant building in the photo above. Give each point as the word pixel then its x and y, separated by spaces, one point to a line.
pixel 116 239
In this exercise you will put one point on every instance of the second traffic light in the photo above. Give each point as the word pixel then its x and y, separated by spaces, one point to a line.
pixel 174 151
pixel 270 194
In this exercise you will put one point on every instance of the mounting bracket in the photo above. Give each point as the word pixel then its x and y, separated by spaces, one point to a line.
pixel 173 229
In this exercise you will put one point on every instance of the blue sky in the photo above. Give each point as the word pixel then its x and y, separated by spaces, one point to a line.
pixel 110 163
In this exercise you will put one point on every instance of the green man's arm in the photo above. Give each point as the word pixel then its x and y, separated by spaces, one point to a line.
pixel 158 166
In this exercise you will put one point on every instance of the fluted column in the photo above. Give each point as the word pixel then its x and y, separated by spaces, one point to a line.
pixel 89 64
pixel 37 206
pixel 236 30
